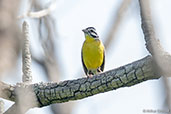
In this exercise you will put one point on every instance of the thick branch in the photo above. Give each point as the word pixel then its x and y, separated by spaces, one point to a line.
pixel 162 58
pixel 152 43
pixel 25 99
pixel 125 76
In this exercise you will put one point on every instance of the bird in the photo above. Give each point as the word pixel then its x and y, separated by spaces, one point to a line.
pixel 92 53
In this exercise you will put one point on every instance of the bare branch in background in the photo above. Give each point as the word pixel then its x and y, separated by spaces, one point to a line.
pixel 25 97
pixel 41 13
pixel 116 20
pixel 47 38
pixel 162 58
pixel 49 61
pixel 26 55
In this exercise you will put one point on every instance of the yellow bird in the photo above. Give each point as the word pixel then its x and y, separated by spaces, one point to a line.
pixel 92 53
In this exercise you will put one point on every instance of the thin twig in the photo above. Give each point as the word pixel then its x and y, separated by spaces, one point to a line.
pixel 40 13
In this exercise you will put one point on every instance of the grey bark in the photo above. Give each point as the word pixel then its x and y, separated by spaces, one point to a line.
pixel 124 76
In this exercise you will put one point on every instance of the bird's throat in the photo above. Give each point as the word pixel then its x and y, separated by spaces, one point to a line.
pixel 89 38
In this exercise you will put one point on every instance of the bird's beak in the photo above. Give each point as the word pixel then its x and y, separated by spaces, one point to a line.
pixel 84 30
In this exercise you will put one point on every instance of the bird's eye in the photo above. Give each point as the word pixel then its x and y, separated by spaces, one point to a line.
pixel 91 31
pixel 93 34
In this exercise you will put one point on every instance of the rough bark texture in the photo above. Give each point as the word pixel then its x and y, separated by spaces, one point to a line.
pixel 125 76
pixel 26 55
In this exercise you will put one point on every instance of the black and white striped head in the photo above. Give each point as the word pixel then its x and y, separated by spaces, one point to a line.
pixel 90 31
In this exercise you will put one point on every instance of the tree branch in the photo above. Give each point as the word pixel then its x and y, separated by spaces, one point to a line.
pixel 162 58
pixel 21 91
pixel 125 76
pixel 26 55
pixel 6 91
pixel 40 13
pixel 152 43
pixel 24 98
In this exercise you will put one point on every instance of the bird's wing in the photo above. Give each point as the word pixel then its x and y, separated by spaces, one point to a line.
pixel 102 66
pixel 84 67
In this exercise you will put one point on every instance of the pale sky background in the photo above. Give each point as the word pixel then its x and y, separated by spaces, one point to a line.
pixel 73 16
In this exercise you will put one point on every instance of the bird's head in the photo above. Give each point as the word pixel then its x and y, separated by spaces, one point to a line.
pixel 90 32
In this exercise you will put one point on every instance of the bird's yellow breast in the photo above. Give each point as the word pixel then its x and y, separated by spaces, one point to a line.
pixel 92 51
